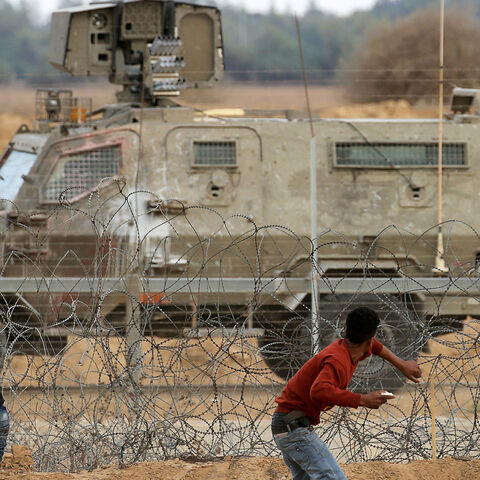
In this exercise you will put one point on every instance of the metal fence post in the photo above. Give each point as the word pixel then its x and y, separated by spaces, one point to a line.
pixel 133 327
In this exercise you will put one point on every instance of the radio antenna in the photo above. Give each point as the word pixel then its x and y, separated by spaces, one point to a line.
pixel 440 266
pixel 313 205
pixel 304 75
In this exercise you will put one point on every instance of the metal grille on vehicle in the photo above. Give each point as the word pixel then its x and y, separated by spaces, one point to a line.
pixel 82 172
pixel 214 154
pixel 350 154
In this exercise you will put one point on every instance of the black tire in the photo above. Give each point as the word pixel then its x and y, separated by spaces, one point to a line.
pixel 286 344
pixel 400 330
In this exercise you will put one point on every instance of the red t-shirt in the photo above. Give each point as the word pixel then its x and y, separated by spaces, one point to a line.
pixel 321 383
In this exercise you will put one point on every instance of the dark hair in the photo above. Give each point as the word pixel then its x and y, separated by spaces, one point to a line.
pixel 362 323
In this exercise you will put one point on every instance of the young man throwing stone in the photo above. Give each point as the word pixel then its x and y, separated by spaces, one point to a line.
pixel 321 384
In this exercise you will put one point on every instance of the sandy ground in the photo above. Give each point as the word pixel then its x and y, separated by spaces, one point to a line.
pixel 18 465
pixel 190 361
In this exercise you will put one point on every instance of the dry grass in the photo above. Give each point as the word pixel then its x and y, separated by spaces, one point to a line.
pixel 268 97
pixel 19 99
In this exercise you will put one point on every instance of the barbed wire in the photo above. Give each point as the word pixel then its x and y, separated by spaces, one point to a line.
pixel 162 330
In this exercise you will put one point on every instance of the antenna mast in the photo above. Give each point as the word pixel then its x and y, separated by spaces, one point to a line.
pixel 313 205
pixel 440 266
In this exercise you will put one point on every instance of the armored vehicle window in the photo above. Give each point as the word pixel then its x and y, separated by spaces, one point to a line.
pixel 81 172
pixel 398 154
pixel 12 170
pixel 214 154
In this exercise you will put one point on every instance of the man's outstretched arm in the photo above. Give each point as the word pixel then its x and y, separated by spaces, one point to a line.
pixel 409 368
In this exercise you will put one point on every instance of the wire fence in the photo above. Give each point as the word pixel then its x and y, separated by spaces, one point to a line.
pixel 138 331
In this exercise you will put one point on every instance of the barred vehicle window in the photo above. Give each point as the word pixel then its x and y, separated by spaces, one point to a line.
pixel 350 154
pixel 80 172
pixel 214 154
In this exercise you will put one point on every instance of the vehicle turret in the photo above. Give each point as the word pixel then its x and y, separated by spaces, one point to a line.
pixel 153 48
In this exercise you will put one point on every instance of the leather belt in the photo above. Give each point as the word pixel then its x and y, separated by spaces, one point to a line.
pixel 301 422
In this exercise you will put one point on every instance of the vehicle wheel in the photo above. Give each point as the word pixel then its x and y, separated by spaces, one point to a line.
pixel 399 330
pixel 286 344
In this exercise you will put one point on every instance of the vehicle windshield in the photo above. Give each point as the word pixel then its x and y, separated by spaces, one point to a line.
pixel 15 165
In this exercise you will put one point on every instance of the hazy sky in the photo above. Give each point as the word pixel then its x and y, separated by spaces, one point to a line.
pixel 340 7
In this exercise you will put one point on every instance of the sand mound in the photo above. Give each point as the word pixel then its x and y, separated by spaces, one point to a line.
pixel 446 469
pixel 192 361
pixel 454 356
pixel 19 461
pixel 252 469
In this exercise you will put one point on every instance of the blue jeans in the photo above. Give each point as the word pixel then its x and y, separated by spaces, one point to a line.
pixel 4 426
pixel 307 457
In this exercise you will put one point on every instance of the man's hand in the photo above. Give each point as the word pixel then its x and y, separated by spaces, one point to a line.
pixel 374 399
pixel 411 370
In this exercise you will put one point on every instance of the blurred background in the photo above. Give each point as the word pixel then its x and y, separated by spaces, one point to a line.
pixel 363 58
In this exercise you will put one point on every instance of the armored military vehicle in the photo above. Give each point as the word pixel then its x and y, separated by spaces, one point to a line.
pixel 205 219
